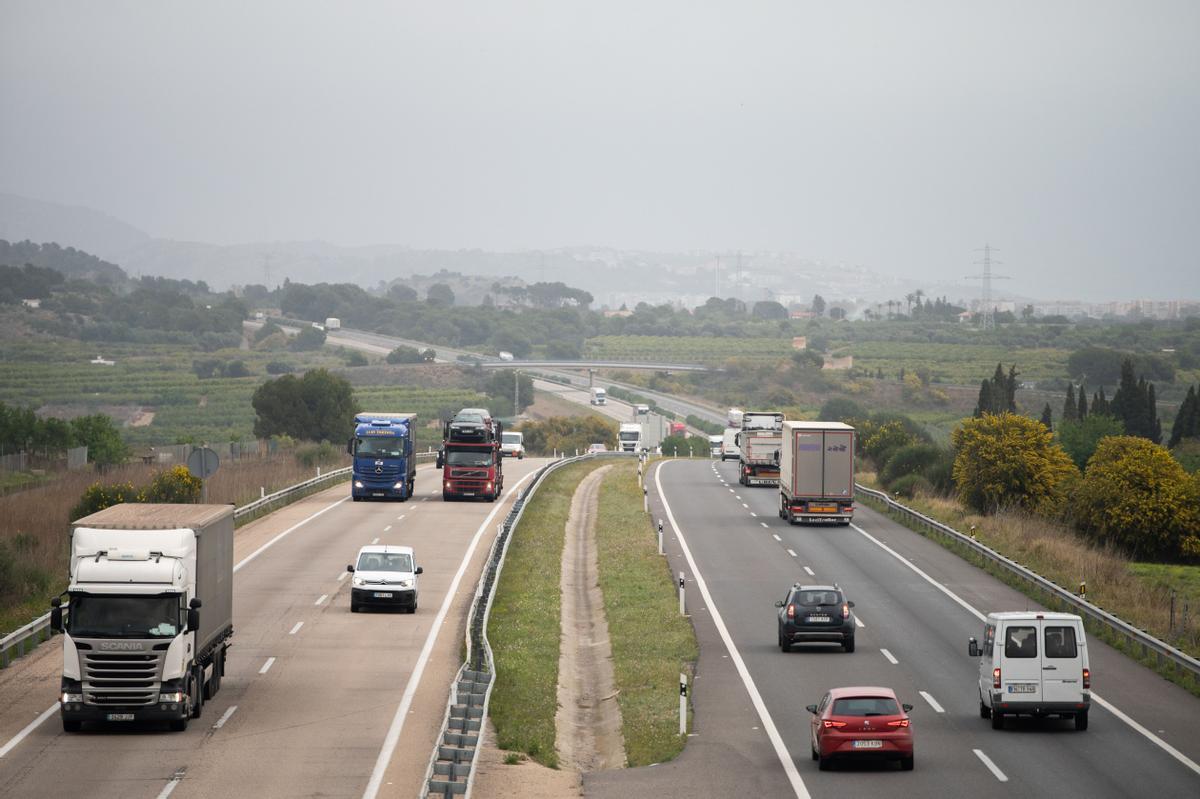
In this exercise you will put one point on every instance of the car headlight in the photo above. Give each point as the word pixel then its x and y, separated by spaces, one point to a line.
pixel 358 581
pixel 405 583
pixel 173 696
pixel 358 484
pixel 67 698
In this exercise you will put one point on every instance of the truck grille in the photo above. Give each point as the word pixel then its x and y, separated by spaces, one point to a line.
pixel 477 474
pixel 120 678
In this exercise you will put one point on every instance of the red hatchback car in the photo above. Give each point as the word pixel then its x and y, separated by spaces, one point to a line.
pixel 861 723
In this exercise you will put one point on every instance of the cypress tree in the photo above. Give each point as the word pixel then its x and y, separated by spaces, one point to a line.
pixel 1153 424
pixel 1083 407
pixel 1100 404
pixel 1010 389
pixel 1125 401
pixel 1070 408
pixel 1187 420
pixel 1048 417
pixel 984 403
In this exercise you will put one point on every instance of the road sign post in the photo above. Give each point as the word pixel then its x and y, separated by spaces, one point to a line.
pixel 203 463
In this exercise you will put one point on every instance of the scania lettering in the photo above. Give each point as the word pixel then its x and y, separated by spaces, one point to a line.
pixel 384 466
pixel 149 614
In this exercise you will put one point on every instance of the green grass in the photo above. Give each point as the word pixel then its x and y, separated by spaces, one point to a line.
pixel 1184 580
pixel 959 364
pixel 526 618
pixel 651 642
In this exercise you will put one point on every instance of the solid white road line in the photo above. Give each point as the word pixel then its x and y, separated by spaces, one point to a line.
pixel 30 727
pixel 781 752
pixel 858 622
pixel 414 680
pixel 889 656
pixel 811 573
pixel 321 599
pixel 286 533
pixel 933 703
pixel 792 552
pixel 225 717
pixel 296 629
pixel 1111 708
pixel 267 666
pixel 987 761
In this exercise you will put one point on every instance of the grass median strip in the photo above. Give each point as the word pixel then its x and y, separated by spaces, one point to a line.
pixel 651 642
pixel 525 620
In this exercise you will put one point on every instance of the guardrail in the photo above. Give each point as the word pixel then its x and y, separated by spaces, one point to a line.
pixel 14 644
pixel 455 755
pixel 1137 639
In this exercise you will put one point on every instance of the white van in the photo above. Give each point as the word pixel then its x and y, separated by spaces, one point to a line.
pixel 729 447
pixel 714 445
pixel 512 444
pixel 1033 664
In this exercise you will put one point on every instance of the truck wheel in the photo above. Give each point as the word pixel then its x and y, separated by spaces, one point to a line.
pixel 1081 721
pixel 196 693
pixel 72 725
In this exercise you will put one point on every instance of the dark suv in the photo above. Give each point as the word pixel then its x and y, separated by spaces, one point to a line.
pixel 815 613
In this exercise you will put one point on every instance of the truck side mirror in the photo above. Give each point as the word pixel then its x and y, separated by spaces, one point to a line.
pixel 56 617
pixel 973 648
pixel 419 570
pixel 350 447
pixel 193 619
pixel 441 460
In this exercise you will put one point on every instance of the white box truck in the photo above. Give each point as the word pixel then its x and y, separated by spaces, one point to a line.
pixel 599 396
pixel 629 437
pixel 758 444
pixel 333 323
pixel 816 472
pixel 149 614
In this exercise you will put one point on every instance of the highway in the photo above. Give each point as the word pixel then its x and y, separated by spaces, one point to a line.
pixel 918 604
pixel 312 692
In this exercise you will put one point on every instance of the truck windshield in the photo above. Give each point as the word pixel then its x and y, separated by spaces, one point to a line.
pixel 511 438
pixel 459 456
pixel 627 436
pixel 95 616
pixel 380 447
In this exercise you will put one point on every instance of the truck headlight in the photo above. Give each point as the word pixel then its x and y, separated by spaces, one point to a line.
pixel 448 485
pixel 172 696
pixel 489 487
pixel 358 484
pixel 398 486
pixel 70 698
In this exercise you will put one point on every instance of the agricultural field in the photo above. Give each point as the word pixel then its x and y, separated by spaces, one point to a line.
pixel 687 349
pixel 152 392
pixel 958 364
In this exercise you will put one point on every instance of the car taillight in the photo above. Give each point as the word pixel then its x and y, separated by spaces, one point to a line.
pixel 995 678
pixel 791 613
pixel 1087 678
pixel 898 723
pixel 845 611
pixel 830 723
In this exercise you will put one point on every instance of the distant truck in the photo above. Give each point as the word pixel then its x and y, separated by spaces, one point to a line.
pixel 816 472
pixel 470 457
pixel 714 445
pixel 149 615
pixel 641 409
pixel 505 356
pixel 758 444
pixel 629 437
pixel 599 396
pixel 382 447
pixel 678 429
pixel 734 418
pixel 333 323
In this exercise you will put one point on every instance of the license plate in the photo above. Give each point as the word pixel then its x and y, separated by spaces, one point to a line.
pixel 818 618
pixel 468 493
pixel 383 595
pixel 823 508
pixel 867 744
pixel 120 717
pixel 1021 688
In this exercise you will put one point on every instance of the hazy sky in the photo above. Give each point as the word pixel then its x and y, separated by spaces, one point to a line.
pixel 895 135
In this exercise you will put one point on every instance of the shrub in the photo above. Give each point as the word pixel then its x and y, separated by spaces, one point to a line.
pixel 279 368
pixel 910 459
pixel 314 455
pixel 236 368
pixel 1136 497
pixel 840 409
pixel 99 496
pixel 1009 460
pixel 356 358
pixel 1079 438
pixel 911 484
pixel 309 338
pixel 404 354
pixel 172 485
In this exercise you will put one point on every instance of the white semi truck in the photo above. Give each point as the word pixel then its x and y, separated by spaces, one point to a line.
pixel 629 437
pixel 599 396
pixel 758 444
pixel 149 615
pixel 816 472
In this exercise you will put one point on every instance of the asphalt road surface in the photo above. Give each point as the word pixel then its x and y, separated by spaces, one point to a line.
pixel 311 691
pixel 913 639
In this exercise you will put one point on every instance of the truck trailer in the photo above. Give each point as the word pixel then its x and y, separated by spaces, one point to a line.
pixel 149 614
pixel 384 465
pixel 758 444
pixel 816 472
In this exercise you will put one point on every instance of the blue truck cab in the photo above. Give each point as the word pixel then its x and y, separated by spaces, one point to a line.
pixel 382 447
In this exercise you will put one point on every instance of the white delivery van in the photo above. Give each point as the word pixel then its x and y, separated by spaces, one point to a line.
pixel 729 447
pixel 1033 663
pixel 512 444
pixel 714 445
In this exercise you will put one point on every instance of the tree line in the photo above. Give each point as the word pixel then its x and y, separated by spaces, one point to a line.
pixel 22 430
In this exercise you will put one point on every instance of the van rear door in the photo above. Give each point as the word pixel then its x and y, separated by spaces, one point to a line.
pixel 1021 662
pixel 1062 661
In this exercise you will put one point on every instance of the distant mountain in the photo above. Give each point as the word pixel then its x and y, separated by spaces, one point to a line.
pixel 613 276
